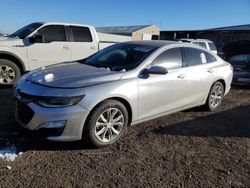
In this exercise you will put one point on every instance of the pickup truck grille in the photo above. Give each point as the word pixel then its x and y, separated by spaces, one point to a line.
pixel 24 112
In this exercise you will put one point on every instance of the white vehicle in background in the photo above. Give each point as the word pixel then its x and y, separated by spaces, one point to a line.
pixel 205 43
pixel 40 44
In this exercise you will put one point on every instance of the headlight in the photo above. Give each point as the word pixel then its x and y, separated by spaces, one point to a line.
pixel 55 102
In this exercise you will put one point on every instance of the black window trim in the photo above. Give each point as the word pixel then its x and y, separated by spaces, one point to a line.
pixel 71 37
pixel 69 30
pixel 183 57
pixel 66 33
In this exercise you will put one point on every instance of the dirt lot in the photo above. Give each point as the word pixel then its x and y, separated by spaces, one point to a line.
pixel 186 149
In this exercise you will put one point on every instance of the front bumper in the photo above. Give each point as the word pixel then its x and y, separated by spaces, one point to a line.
pixel 34 117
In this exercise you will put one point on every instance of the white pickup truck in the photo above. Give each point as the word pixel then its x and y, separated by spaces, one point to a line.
pixel 41 44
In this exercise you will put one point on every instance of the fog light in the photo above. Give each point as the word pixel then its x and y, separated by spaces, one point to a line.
pixel 53 124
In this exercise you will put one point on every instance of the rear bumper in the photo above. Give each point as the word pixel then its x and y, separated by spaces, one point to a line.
pixel 241 77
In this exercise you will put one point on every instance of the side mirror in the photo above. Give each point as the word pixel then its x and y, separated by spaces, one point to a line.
pixel 156 70
pixel 36 39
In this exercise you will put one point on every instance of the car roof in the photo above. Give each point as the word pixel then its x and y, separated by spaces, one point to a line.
pixel 66 24
pixel 156 43
pixel 202 40
pixel 185 40
pixel 194 40
pixel 165 43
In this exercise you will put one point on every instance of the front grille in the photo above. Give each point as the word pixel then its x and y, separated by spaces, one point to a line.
pixel 42 133
pixel 24 112
pixel 23 97
pixel 46 132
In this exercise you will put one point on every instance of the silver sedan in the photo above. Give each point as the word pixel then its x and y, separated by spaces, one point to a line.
pixel 97 98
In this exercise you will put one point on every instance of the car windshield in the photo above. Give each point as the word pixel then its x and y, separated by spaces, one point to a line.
pixel 26 30
pixel 120 57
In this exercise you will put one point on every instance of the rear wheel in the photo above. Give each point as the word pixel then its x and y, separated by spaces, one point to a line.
pixel 215 96
pixel 9 72
pixel 106 123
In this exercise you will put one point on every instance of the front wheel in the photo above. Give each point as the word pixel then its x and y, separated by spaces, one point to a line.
pixel 9 72
pixel 106 123
pixel 215 96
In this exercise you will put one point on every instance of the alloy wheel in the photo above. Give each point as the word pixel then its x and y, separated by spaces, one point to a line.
pixel 109 125
pixel 7 74
pixel 216 95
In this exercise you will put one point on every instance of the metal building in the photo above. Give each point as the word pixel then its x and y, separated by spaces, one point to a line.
pixel 140 32
pixel 229 41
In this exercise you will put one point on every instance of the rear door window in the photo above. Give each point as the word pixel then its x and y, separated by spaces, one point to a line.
pixel 53 33
pixel 195 56
pixel 210 58
pixel 81 34
pixel 170 59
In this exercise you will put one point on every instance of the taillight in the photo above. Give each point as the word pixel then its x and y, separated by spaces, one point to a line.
pixel 231 67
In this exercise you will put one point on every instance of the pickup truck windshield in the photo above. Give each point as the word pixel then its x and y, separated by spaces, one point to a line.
pixel 26 30
pixel 120 57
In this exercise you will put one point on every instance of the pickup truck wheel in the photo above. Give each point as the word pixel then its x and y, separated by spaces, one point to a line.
pixel 215 96
pixel 106 123
pixel 9 72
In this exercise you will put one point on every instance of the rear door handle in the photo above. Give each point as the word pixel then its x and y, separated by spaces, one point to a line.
pixel 181 76
pixel 210 70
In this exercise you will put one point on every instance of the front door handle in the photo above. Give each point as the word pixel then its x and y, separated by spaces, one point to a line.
pixel 181 76
pixel 65 47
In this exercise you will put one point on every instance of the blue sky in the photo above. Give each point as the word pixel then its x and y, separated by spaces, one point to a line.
pixel 166 14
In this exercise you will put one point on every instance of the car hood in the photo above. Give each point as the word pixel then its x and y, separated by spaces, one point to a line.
pixel 8 41
pixel 72 75
pixel 4 38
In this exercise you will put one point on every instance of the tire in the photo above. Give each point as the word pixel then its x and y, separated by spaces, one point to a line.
pixel 98 132
pixel 9 72
pixel 215 96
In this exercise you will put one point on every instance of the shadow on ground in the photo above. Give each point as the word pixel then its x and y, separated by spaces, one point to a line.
pixel 231 123
pixel 241 86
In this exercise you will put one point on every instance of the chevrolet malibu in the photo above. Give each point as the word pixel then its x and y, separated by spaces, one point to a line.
pixel 97 98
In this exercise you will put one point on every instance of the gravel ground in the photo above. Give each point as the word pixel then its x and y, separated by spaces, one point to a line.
pixel 187 149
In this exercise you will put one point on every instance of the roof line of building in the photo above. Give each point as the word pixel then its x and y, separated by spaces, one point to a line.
pixel 236 27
